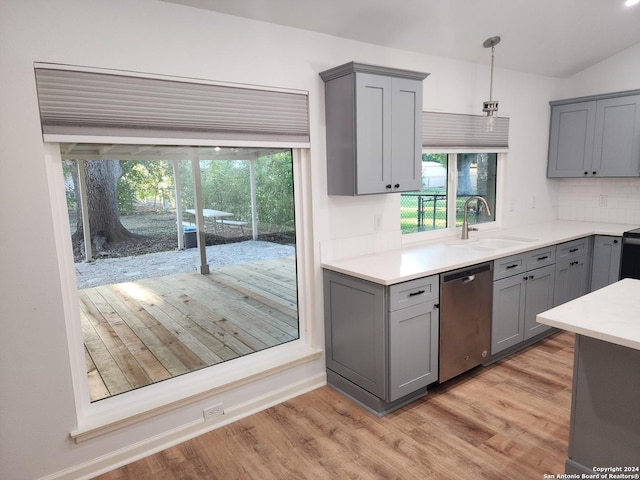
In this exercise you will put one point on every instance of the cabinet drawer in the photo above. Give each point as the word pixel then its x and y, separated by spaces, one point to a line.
pixel 507 266
pixel 572 249
pixel 541 257
pixel 413 292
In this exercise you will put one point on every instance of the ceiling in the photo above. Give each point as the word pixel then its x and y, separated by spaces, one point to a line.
pixel 556 38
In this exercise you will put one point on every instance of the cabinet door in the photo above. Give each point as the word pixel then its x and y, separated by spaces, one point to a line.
pixel 571 140
pixel 507 322
pixel 406 137
pixel 572 279
pixel 539 287
pixel 355 331
pixel 617 137
pixel 413 349
pixel 607 252
pixel 373 133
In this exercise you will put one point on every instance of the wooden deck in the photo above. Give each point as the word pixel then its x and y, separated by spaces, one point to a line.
pixel 138 333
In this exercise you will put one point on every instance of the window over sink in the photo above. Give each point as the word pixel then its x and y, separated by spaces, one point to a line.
pixel 435 207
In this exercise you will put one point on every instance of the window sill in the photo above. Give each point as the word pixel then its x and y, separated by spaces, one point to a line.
pixel 112 414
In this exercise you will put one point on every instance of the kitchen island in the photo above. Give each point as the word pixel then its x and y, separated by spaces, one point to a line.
pixel 605 406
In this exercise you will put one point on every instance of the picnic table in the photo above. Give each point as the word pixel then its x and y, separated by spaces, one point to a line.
pixel 218 216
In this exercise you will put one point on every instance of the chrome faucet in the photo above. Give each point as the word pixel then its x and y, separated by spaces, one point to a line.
pixel 465 223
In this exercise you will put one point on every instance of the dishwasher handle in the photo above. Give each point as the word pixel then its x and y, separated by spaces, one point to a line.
pixel 466 274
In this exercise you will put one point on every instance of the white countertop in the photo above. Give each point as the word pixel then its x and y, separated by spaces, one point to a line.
pixel 611 313
pixel 421 260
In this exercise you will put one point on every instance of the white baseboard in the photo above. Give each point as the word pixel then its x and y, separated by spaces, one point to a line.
pixel 185 432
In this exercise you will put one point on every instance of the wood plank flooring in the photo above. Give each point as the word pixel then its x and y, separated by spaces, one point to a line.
pixel 138 333
pixel 509 420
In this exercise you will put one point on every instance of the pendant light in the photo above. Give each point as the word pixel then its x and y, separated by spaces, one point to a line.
pixel 491 106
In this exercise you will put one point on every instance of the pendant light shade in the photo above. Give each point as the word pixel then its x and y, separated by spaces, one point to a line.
pixel 491 106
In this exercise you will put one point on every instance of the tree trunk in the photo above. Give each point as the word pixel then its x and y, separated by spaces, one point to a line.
pixel 102 201
pixel 464 174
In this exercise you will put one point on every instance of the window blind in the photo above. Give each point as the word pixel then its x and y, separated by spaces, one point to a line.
pixel 100 104
pixel 447 130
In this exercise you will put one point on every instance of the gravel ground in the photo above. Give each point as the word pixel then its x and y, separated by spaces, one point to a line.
pixel 104 271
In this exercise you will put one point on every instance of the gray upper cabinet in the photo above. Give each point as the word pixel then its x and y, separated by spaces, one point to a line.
pixel 571 139
pixel 374 129
pixel 595 136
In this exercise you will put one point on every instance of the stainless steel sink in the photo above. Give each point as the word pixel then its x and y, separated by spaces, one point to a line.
pixel 493 243
pixel 498 243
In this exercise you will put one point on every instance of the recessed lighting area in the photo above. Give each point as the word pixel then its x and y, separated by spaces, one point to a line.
pixel 631 3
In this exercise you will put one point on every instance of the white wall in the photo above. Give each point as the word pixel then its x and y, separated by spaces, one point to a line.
pixel 37 409
pixel 603 199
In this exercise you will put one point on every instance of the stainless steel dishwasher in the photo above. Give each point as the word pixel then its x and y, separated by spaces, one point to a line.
pixel 466 297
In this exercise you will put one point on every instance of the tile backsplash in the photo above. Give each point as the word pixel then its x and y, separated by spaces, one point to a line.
pixel 614 200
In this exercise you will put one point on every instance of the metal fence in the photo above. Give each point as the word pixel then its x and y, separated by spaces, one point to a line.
pixel 423 211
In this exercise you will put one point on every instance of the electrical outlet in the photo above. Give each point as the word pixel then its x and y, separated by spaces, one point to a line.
pixel 533 201
pixel 603 200
pixel 213 411
pixel 377 222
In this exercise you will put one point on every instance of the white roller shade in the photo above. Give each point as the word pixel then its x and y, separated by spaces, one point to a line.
pixel 98 104
pixel 448 130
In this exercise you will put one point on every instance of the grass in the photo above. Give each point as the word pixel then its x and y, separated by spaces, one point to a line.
pixel 409 213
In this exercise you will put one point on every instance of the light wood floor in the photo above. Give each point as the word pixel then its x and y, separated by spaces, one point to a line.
pixel 506 421
pixel 138 333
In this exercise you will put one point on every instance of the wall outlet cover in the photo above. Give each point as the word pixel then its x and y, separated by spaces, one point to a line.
pixel 213 411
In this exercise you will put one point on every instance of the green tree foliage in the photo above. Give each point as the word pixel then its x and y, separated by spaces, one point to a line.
pixel 143 181
pixel 226 186
pixel 440 158
pixel 274 185
pixel 68 168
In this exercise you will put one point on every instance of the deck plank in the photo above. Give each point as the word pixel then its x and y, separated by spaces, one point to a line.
pixel 113 377
pixel 127 362
pixel 97 387
pixel 166 326
pixel 200 314
pixel 232 320
pixel 147 360
pixel 132 312
pixel 246 307
pixel 171 318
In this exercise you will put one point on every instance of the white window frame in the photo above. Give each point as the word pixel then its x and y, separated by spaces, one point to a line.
pixel 113 413
pixel 452 186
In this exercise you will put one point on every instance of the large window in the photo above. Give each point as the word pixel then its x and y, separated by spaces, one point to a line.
pixel 185 257
pixel 436 207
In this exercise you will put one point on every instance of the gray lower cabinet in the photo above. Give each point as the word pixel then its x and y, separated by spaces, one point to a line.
pixel 381 341
pixel 573 270
pixel 605 420
pixel 607 253
pixel 523 287
pixel 374 129
pixel 595 136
